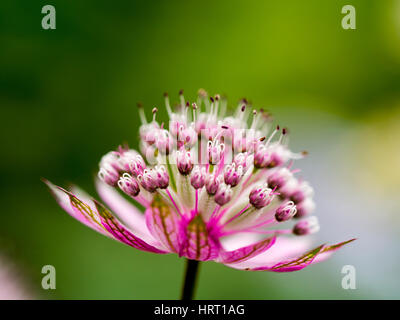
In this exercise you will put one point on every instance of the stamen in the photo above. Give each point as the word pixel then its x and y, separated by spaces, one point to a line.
pixel 279 231
pixel 154 111
pixel 211 113
pixel 223 107
pixel 141 113
pixel 261 224
pixel 196 205
pixel 217 97
pixel 215 212
pixel 237 215
pixel 194 107
pixel 167 104
pixel 272 135
pixel 173 201
pixel 255 120
pixel 182 99
pixel 284 132
pixel 242 113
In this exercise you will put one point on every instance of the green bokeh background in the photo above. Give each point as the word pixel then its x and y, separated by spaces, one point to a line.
pixel 68 96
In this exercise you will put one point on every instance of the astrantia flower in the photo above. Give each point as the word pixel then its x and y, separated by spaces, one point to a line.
pixel 214 187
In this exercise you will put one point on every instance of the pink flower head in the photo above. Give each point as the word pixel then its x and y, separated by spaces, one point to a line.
pixel 225 208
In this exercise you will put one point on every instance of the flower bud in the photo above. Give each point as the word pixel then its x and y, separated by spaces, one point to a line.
pixel 307 226
pixel 262 157
pixel 187 137
pixel 129 185
pixel 212 183
pixel 223 195
pixel 162 177
pixel 198 177
pixel 279 154
pixel 184 162
pixel 261 196
pixel 215 151
pixel 279 177
pixel 129 156
pixel 164 142
pixel 147 128
pixel 302 191
pixel 111 159
pixel 305 207
pixel 243 159
pixel 136 165
pixel 148 180
pixel 233 174
pixel 109 175
pixel 285 212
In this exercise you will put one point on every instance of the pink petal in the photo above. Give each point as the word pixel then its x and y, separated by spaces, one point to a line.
pixel 85 213
pixel 128 213
pixel 163 224
pixel 285 248
pixel 293 264
pixel 247 252
pixel 238 240
pixel 119 232
pixel 97 217
pixel 287 261
pixel 198 241
pixel 328 250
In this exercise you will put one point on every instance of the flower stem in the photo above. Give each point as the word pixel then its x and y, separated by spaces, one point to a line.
pixel 192 268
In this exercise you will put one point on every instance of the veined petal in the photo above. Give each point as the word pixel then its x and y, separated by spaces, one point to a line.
pixel 128 213
pixel 247 252
pixel 197 239
pixel 163 224
pixel 85 213
pixel 119 232
pixel 288 264
pixel 285 248
pixel 294 264
pixel 329 250
pixel 97 217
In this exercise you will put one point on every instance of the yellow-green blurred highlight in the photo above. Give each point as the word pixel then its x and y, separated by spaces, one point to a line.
pixel 68 96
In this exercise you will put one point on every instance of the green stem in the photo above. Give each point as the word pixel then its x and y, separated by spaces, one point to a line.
pixel 192 268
